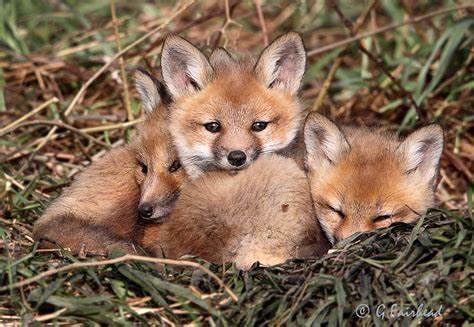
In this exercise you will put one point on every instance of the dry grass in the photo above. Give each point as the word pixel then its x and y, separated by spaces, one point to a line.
pixel 64 99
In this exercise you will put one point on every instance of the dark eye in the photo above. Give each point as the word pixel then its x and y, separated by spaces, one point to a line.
pixel 213 127
pixel 338 211
pixel 174 166
pixel 381 218
pixel 259 126
pixel 144 168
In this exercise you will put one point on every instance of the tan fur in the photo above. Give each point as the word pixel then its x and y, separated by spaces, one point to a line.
pixel 236 99
pixel 263 213
pixel 98 211
pixel 365 178
pixel 236 94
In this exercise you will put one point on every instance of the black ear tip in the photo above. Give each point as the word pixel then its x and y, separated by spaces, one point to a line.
pixel 142 71
pixel 165 96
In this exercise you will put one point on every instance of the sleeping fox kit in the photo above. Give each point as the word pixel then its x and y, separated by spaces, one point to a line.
pixel 99 211
pixel 363 179
pixel 219 115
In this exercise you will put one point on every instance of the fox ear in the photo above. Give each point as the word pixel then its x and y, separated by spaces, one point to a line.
pixel 282 64
pixel 421 152
pixel 220 57
pixel 152 91
pixel 185 68
pixel 324 141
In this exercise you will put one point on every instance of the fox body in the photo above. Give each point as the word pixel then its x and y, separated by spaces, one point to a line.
pixel 363 179
pixel 101 208
pixel 226 112
pixel 359 179
pixel 263 213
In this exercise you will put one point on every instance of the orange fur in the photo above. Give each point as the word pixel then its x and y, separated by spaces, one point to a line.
pixel 234 94
pixel 361 180
pixel 98 211
pixel 263 213
pixel 236 99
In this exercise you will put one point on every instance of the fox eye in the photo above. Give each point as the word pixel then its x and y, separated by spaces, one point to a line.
pixel 259 126
pixel 339 212
pixel 144 168
pixel 381 218
pixel 174 166
pixel 213 127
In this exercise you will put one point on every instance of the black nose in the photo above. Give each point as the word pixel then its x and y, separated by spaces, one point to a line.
pixel 236 158
pixel 145 210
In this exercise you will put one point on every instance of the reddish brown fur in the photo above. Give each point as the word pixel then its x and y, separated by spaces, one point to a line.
pixel 368 180
pixel 236 99
pixel 99 210
pixel 234 94
pixel 263 213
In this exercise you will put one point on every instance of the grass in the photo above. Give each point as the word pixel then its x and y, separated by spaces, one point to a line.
pixel 49 49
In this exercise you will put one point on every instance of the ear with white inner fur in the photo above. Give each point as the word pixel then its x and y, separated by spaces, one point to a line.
pixel 421 152
pixel 220 58
pixel 152 92
pixel 282 64
pixel 185 69
pixel 325 142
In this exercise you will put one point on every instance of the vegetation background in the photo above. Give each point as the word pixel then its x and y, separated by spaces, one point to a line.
pixel 66 97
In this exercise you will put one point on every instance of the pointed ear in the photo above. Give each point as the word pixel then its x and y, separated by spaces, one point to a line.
pixel 185 68
pixel 421 152
pixel 281 65
pixel 220 58
pixel 325 142
pixel 152 91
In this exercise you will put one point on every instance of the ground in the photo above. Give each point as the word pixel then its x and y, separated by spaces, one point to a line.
pixel 58 62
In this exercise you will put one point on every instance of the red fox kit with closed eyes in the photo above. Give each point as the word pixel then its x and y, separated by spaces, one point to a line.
pixel 100 210
pixel 364 179
pixel 226 112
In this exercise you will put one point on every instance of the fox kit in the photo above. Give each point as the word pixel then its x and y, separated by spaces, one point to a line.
pixel 362 179
pixel 226 112
pixel 100 210
pixel 263 213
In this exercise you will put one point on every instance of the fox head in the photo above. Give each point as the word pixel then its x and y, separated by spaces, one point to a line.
pixel 363 179
pixel 158 169
pixel 225 112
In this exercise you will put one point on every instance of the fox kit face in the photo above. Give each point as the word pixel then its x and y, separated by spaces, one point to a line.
pixel 226 113
pixel 361 179
pixel 158 170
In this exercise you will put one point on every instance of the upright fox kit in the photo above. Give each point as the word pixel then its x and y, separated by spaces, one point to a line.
pixel 362 179
pixel 99 211
pixel 225 112
pixel 263 213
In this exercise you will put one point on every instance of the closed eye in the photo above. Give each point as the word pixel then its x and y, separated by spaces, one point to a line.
pixel 341 214
pixel 381 218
